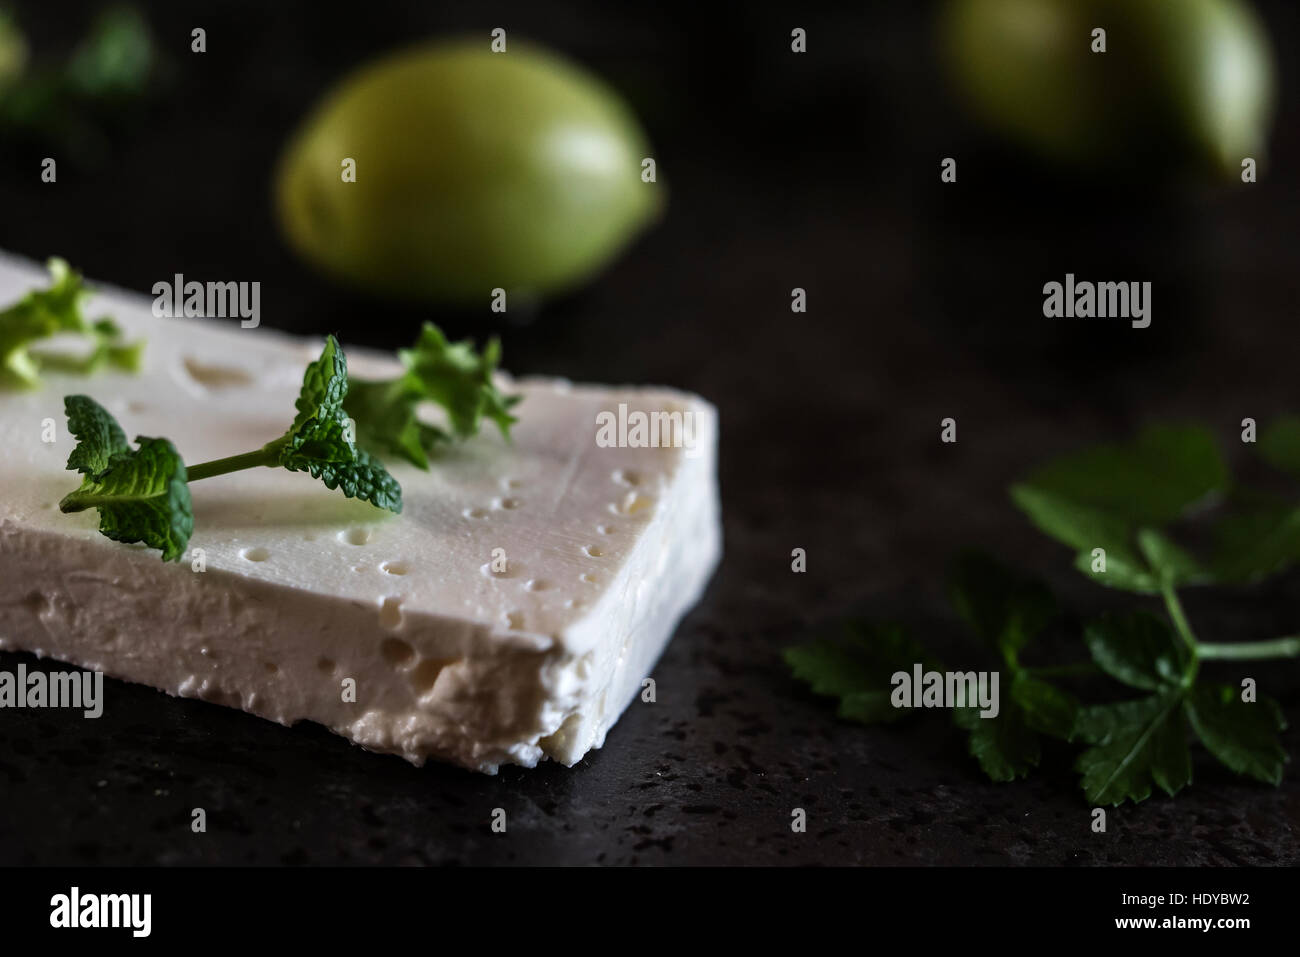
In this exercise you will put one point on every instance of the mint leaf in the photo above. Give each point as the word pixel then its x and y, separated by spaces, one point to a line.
pixel 1136 745
pixel 1242 735
pixel 320 441
pixel 141 495
pixel 1138 649
pixel 98 435
pixel 1001 608
pixel 858 669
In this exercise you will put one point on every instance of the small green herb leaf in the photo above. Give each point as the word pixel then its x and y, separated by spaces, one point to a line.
pixel 98 435
pixel 140 494
pixel 1046 708
pixel 1242 735
pixel 43 313
pixel 1001 608
pixel 320 441
pixel 857 669
pixel 1135 745
pixel 1150 480
pixel 1138 649
pixel 451 375
pixel 1005 746
pixel 387 424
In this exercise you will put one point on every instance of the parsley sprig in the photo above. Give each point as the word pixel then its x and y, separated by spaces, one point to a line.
pixel 450 375
pixel 1122 509
pixel 142 493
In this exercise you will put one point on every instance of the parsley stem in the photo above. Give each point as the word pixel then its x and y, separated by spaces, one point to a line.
pixel 1288 647
pixel 232 463
pixel 1177 616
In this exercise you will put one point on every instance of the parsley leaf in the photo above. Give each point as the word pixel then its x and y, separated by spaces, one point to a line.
pixel 43 313
pixel 1242 735
pixel 1135 745
pixel 140 493
pixel 1137 649
pixel 1115 497
pixel 450 375
pixel 857 669
pixel 1006 612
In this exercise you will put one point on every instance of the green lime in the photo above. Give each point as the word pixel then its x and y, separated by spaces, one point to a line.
pixel 1184 83
pixel 447 171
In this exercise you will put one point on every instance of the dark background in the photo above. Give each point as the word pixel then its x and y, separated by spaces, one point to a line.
pixel 820 171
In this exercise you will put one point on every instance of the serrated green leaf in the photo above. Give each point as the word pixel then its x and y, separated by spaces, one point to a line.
pixel 98 435
pixel 457 378
pixel 387 424
pixel 1003 609
pixel 320 441
pixel 1135 745
pixel 1138 649
pixel 141 496
pixel 1046 708
pixel 1150 480
pixel 1242 735
pixel 1082 527
pixel 48 312
pixel 362 477
pixel 857 669
pixel 1005 746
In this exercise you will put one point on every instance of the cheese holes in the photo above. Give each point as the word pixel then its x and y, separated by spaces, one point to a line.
pixel 474 513
pixel 355 536
pixel 326 665
pixel 212 376
pixel 592 551
pixel 509 504
pixel 255 554
pixel 515 620
pixel 626 478
pixel 397 653
pixel 394 568
pixel 536 584
pixel 425 675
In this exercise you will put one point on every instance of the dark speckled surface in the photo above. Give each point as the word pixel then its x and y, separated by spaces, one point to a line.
pixel 924 303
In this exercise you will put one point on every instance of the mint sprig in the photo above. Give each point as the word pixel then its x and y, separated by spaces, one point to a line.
pixel 44 313
pixel 142 494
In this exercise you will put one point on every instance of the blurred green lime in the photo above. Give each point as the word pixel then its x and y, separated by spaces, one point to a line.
pixel 1183 83
pixel 13 49
pixel 473 170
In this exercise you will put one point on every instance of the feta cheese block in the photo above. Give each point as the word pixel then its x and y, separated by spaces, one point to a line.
pixel 511 612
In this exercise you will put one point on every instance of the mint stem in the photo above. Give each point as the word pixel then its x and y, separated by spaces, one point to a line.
pixel 1288 647
pixel 232 463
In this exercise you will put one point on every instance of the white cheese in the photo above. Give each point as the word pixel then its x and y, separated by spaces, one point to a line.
pixel 605 549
